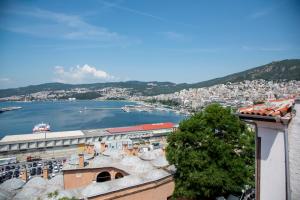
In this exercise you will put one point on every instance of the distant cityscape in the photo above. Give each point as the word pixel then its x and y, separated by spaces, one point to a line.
pixel 231 94
pixel 187 100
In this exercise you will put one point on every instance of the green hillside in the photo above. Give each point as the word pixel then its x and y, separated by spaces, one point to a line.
pixel 280 70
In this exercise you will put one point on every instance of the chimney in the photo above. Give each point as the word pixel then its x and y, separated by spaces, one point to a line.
pixel 125 148
pixel 24 175
pixel 164 150
pixel 130 151
pixel 102 147
pixel 135 150
pixel 91 149
pixel 45 173
pixel 85 148
pixel 81 160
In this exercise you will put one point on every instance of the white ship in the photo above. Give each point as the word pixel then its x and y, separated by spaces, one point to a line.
pixel 41 128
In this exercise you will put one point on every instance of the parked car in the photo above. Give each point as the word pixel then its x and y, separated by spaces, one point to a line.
pixel 10 173
pixel 33 171
pixel 7 168
pixel 39 171
pixel 17 171
pixel 33 158
pixel 16 174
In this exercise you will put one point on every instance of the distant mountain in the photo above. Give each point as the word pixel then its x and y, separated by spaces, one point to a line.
pixel 279 70
pixel 145 88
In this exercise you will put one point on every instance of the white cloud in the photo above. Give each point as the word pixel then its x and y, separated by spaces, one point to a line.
pixel 266 11
pixel 49 24
pixel 196 50
pixel 260 13
pixel 4 79
pixel 145 14
pixel 84 74
pixel 259 48
pixel 173 35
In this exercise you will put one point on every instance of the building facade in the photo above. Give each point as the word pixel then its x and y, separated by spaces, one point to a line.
pixel 273 121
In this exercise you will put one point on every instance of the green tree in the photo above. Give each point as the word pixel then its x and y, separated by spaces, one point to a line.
pixel 54 195
pixel 213 152
pixel 67 198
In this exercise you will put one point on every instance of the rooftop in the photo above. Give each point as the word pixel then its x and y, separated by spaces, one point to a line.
pixel 271 109
pixel 86 133
pixel 38 136
pixel 143 127
pixel 137 172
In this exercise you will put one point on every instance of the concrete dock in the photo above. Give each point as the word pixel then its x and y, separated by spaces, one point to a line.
pixel 9 109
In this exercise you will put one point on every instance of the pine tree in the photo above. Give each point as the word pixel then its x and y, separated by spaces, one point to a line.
pixel 213 152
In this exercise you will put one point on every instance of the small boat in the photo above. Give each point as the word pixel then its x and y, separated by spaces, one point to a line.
pixel 41 128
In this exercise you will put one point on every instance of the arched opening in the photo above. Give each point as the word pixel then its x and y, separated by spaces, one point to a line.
pixel 119 175
pixel 103 176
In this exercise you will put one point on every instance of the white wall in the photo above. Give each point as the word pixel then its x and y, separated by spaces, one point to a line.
pixel 272 174
pixel 294 154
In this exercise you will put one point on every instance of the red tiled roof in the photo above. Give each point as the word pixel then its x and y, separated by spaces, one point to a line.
pixel 270 108
pixel 158 126
pixel 143 127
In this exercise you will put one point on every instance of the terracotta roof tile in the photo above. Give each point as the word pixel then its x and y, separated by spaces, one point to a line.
pixel 270 108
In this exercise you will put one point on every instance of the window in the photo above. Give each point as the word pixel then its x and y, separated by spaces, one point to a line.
pixel 103 176
pixel 119 175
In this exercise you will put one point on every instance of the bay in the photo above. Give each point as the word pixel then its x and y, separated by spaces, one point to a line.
pixel 76 115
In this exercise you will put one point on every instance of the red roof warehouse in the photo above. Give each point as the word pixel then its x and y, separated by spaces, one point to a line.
pixel 143 127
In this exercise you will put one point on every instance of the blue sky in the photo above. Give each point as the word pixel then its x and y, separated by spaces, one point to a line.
pixel 105 40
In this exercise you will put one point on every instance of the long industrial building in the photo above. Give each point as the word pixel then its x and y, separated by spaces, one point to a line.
pixel 11 144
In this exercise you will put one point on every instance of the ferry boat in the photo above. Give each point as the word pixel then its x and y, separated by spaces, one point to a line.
pixel 41 128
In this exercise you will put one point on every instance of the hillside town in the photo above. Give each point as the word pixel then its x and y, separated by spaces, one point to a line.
pixel 72 94
pixel 230 94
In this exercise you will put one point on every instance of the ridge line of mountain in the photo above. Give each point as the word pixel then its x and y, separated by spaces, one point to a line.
pixel 288 69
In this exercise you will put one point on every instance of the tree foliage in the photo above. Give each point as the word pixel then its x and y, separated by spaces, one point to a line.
pixel 54 195
pixel 213 153
pixel 164 102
